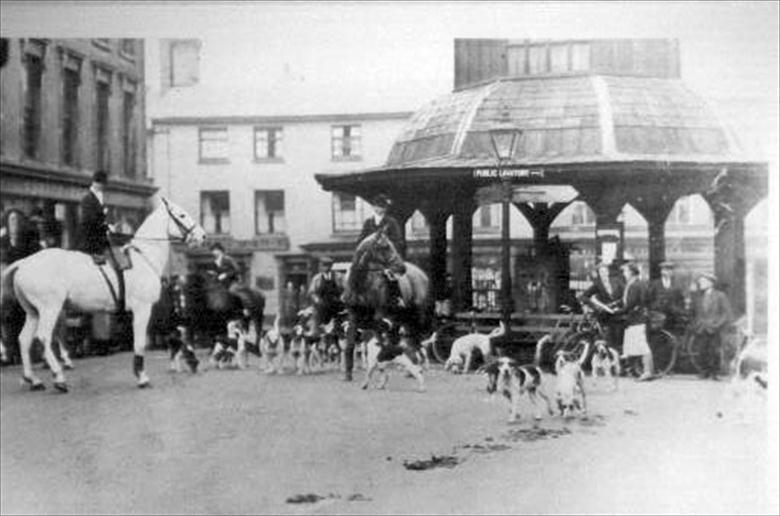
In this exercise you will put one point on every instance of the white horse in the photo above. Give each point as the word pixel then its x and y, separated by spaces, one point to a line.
pixel 45 281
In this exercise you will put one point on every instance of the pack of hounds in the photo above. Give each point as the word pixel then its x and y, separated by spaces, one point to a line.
pixel 554 382
pixel 303 351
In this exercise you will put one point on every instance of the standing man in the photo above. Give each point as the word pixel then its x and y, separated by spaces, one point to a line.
pixel 94 227
pixel 666 298
pixel 325 294
pixel 712 312
pixel 634 309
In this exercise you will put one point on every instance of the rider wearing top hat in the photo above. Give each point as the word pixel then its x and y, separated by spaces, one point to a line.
pixel 382 221
pixel 94 227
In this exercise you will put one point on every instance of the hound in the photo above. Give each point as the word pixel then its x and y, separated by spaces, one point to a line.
pixel 569 383
pixel 512 380
pixel 231 349
pixel 179 348
pixel 272 348
pixel 299 350
pixel 463 349
pixel 605 362
pixel 380 354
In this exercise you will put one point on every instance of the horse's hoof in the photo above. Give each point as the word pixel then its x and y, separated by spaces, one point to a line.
pixel 68 367
pixel 37 387
pixel 144 385
pixel 61 386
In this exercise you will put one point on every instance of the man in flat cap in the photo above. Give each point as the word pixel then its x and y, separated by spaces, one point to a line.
pixel 325 294
pixel 667 298
pixel 712 315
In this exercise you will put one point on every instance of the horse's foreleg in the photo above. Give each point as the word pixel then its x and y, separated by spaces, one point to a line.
pixel 141 315
pixel 25 343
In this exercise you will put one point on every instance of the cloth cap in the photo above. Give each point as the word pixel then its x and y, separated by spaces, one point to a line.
pixel 381 200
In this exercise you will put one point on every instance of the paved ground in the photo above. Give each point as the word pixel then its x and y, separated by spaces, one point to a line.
pixel 240 442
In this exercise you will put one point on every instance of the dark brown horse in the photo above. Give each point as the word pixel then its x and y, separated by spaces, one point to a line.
pixel 368 296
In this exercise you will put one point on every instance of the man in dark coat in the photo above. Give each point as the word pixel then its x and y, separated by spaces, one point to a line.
pixel 713 314
pixel 382 220
pixel 325 294
pixel 666 298
pixel 93 226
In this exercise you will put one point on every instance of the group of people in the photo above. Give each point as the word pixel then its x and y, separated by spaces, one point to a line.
pixel 625 305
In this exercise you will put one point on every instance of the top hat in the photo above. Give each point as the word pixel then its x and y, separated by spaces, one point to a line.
pixel 100 177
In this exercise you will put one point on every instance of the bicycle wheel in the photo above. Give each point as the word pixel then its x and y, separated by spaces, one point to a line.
pixel 693 348
pixel 663 345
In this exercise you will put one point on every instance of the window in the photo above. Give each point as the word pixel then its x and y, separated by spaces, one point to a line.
pixel 184 57
pixel 347 213
pixel 269 212
pixel 102 127
pixel 128 133
pixel 516 60
pixel 486 218
pixel 681 213
pixel 32 105
pixel 419 223
pixel 537 59
pixel 213 144
pixel 559 58
pixel 215 212
pixel 70 115
pixel 580 57
pixel 581 215
pixel 345 142
pixel 268 143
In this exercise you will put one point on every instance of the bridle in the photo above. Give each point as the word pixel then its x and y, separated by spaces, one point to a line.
pixel 184 230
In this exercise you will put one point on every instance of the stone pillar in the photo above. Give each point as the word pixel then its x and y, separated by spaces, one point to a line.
pixel 606 201
pixel 461 252
pixel 731 195
pixel 541 215
pixel 654 203
pixel 437 271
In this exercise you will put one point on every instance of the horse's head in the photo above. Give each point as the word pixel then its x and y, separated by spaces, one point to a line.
pixel 181 225
pixel 377 250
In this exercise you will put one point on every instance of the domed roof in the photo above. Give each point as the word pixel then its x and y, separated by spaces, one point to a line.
pixel 566 119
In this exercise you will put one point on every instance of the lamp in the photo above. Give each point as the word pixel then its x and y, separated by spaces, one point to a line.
pixel 504 136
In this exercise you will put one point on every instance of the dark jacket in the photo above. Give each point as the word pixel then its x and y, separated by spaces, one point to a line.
pixel 634 307
pixel 713 312
pixel 229 268
pixel 598 289
pixel 392 230
pixel 670 301
pixel 93 228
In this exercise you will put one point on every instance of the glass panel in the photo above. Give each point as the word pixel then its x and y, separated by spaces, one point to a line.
pixel 580 56
pixel 537 60
pixel 215 211
pixel 559 58
pixel 269 212
pixel 213 144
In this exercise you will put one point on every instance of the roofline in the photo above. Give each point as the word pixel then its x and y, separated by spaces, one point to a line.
pixel 333 181
pixel 277 119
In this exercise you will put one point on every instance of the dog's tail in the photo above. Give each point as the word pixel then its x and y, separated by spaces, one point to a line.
pixel 540 345
pixel 585 352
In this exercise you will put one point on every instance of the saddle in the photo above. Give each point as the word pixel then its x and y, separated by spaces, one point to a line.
pixel 119 257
